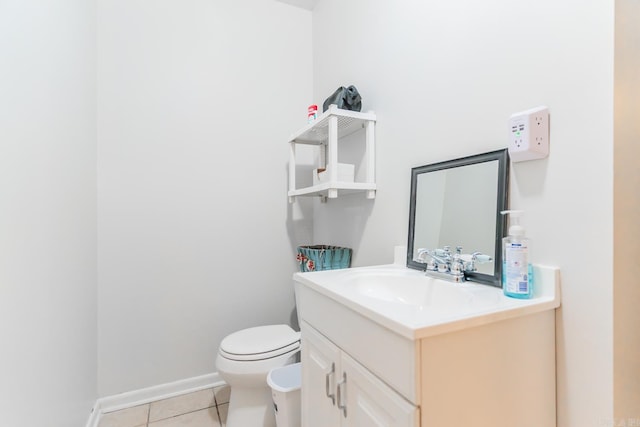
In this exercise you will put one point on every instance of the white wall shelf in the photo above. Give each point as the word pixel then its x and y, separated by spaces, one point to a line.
pixel 330 127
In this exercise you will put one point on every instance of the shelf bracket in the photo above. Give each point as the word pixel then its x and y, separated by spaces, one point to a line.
pixel 292 169
pixel 332 164
pixel 370 154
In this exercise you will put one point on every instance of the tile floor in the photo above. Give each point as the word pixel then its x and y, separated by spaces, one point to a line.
pixel 205 408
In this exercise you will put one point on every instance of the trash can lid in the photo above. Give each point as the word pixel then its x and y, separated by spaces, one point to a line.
pixel 285 379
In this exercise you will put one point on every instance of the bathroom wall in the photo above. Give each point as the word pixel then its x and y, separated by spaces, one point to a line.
pixel 443 78
pixel 47 212
pixel 626 213
pixel 196 239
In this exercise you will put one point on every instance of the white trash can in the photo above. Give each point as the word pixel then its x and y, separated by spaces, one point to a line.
pixel 285 385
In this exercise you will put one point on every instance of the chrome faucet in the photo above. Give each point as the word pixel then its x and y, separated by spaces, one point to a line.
pixel 443 264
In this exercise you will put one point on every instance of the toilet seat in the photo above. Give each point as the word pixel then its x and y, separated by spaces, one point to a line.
pixel 259 343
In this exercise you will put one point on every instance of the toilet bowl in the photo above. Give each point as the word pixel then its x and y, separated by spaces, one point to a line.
pixel 244 360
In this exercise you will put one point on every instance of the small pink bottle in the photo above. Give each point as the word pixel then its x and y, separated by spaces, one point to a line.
pixel 312 113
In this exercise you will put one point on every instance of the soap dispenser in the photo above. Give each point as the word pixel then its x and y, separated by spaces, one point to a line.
pixel 517 274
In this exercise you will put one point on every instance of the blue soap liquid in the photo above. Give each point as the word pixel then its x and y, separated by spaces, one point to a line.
pixel 525 284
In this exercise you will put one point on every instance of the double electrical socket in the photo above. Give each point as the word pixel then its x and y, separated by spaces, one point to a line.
pixel 529 135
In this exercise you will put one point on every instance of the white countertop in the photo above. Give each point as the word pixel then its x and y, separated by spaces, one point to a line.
pixel 416 306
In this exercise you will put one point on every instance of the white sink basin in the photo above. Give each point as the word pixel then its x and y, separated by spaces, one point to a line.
pixel 416 306
pixel 416 291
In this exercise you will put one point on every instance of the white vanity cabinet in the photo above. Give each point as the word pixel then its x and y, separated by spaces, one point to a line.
pixel 321 365
pixel 372 360
pixel 339 391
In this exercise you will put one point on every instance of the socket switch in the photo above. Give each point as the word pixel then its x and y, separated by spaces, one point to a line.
pixel 529 134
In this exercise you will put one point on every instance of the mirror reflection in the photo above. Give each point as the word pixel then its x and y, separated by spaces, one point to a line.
pixel 457 203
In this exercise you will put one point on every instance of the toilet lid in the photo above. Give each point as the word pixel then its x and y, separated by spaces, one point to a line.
pixel 261 342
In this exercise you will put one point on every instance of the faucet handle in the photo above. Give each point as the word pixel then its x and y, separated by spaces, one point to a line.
pixel 420 253
pixel 442 252
pixel 475 258
pixel 481 258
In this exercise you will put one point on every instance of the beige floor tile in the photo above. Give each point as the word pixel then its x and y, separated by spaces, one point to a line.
pixel 202 418
pixel 130 417
pixel 181 405
pixel 222 412
pixel 222 394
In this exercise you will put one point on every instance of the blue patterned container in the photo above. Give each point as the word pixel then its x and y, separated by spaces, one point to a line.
pixel 323 257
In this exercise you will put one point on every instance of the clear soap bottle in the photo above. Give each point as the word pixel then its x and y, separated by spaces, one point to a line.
pixel 517 274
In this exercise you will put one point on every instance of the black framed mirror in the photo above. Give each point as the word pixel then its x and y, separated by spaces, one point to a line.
pixel 458 203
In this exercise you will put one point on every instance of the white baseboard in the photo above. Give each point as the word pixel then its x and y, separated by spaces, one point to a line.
pixel 94 416
pixel 133 398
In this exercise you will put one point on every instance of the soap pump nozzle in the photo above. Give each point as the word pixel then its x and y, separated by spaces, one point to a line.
pixel 515 228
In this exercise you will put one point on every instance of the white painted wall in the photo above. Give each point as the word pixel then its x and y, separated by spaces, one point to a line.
pixel 47 212
pixel 196 100
pixel 192 93
pixel 443 78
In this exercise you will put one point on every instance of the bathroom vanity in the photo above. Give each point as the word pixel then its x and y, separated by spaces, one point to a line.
pixel 388 346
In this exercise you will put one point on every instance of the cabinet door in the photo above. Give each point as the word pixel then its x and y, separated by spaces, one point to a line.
pixel 370 402
pixel 320 368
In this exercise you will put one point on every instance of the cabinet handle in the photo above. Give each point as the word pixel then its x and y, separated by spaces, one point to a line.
pixel 341 406
pixel 327 384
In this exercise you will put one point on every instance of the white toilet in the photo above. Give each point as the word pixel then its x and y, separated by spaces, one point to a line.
pixel 244 360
